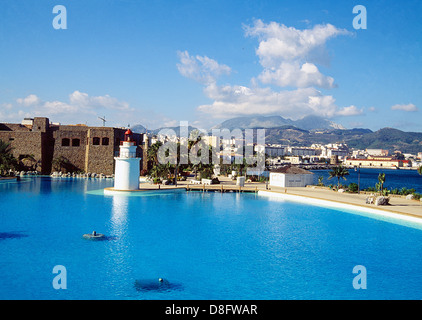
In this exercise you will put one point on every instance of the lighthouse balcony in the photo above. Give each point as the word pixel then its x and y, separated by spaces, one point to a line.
pixel 127 154
pixel 128 143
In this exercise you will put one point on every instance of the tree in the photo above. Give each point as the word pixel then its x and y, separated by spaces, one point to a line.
pixel 338 172
pixel 381 181
pixel 201 169
pixel 353 187
pixel 61 164
pixel 7 160
pixel 28 161
pixel 420 170
pixel 152 154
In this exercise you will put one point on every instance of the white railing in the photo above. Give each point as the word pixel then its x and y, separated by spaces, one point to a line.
pixel 127 155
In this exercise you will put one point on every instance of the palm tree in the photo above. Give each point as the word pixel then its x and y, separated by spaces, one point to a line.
pixel 61 163
pixel 28 160
pixel 201 170
pixel 7 160
pixel 338 172
pixel 381 181
pixel 152 154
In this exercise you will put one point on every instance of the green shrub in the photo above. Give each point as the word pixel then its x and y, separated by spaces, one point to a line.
pixel 417 196
pixel 262 179
pixel 157 180
pixel 403 191
pixel 253 178
pixel 353 187
pixel 215 181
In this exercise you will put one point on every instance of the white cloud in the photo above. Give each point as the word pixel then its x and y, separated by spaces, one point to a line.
pixel 349 111
pixel 9 115
pixel 80 107
pixel 30 100
pixel 280 43
pixel 295 75
pixel 83 100
pixel 201 68
pixel 405 107
pixel 287 56
pixel 287 53
pixel 232 101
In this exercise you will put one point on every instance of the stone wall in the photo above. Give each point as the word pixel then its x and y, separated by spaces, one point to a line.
pixel 25 143
pixel 100 151
pixel 70 143
pixel 88 149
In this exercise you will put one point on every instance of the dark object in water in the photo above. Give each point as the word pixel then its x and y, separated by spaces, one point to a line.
pixel 159 284
pixel 94 236
pixel 12 235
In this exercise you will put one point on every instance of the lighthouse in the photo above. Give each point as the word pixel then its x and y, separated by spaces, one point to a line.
pixel 126 173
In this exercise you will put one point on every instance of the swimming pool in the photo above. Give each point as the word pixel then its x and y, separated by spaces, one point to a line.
pixel 207 245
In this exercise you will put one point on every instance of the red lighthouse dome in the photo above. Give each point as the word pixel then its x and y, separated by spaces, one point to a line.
pixel 129 135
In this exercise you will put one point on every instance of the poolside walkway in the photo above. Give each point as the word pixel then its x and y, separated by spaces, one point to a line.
pixel 398 205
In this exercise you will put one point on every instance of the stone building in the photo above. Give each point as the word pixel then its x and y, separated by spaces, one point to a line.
pixel 68 147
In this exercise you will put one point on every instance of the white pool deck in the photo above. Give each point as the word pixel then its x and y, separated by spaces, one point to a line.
pixel 398 205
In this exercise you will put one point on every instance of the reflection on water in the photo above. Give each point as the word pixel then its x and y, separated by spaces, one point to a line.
pixel 48 185
pixel 118 256
pixel 119 214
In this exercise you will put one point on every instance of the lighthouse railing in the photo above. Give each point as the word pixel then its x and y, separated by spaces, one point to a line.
pixel 127 155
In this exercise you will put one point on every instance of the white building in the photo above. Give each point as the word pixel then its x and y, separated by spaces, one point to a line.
pixel 127 170
pixel 213 141
pixel 335 149
pixel 293 159
pixel 272 151
pixel 301 151
pixel 377 152
pixel 291 177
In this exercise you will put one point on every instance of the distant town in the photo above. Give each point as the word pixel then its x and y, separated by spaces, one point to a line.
pixel 43 146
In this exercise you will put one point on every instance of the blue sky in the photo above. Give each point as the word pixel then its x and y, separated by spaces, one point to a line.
pixel 160 62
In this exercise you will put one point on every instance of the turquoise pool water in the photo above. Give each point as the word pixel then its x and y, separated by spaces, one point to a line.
pixel 206 245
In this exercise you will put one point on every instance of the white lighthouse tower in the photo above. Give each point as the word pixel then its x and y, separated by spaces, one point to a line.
pixel 126 173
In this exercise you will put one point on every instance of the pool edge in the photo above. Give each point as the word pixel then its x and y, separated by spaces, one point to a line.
pixel 343 205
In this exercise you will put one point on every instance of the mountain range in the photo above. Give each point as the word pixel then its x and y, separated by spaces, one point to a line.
pixel 310 122
pixel 386 138
pixel 316 130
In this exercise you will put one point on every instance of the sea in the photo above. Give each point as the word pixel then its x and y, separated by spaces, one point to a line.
pixel 401 178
